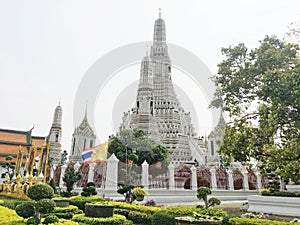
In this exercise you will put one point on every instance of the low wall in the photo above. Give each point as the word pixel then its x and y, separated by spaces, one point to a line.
pixel 286 206
pixel 178 195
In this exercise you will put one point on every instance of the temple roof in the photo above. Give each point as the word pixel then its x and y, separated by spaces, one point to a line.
pixel 11 141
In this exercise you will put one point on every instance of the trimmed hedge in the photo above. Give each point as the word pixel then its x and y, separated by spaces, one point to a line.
pixel 114 220
pixel 66 212
pixel 9 216
pixel 137 208
pixel 12 204
pixel 281 194
pixel 137 213
pixel 142 214
pixel 162 218
pixel 256 221
pixel 140 218
pixel 188 211
pixel 80 201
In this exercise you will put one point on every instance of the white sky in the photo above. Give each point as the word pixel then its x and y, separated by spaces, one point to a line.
pixel 47 46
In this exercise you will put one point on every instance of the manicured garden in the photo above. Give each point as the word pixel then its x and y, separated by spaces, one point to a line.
pixel 42 209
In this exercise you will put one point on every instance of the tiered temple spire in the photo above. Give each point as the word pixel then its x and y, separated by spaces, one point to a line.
pixel 158 112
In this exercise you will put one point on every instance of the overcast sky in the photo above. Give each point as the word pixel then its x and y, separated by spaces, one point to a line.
pixel 46 47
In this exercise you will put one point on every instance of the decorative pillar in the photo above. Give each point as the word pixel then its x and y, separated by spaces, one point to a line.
pixel 145 174
pixel 258 180
pixel 214 185
pixel 52 170
pixel 194 178
pixel 91 172
pixel 245 181
pixel 171 177
pixel 63 169
pixel 230 180
pixel 111 181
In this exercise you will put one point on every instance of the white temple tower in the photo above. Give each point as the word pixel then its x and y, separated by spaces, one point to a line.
pixel 82 138
pixel 54 136
pixel 158 111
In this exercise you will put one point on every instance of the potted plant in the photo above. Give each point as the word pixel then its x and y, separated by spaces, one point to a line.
pixel 103 209
pixel 61 202
pixel 139 193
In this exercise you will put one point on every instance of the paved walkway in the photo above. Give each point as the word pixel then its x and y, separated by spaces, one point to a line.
pixel 224 204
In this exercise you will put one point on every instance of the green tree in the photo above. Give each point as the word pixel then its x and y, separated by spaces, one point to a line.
pixel 137 147
pixel 70 178
pixel 260 90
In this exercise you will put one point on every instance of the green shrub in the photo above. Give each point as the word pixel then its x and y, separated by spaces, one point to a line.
pixel 264 191
pixel 12 204
pixel 66 212
pixel 45 206
pixel 256 221
pixel 280 194
pixel 25 209
pixel 227 218
pixel 33 221
pixel 134 207
pixel 124 212
pixel 9 216
pixel 114 220
pixel 202 193
pixel 51 219
pixel 213 202
pixel 80 201
pixel 188 211
pixel 139 217
pixel 70 209
pixel 40 191
pixel 53 185
pixel 88 191
pixel 162 218
pixel 90 184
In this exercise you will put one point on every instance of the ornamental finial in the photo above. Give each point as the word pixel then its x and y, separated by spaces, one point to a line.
pixel 159 13
pixel 147 50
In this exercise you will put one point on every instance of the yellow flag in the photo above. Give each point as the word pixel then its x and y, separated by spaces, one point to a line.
pixel 99 153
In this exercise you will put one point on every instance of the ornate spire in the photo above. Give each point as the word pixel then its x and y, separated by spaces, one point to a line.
pixel 159 30
pixel 159 13
pixel 57 116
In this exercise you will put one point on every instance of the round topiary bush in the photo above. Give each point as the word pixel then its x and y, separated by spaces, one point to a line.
pixel 51 219
pixel 25 209
pixel 40 191
pixel 33 221
pixel 45 206
pixel 162 218
pixel 90 184
pixel 214 201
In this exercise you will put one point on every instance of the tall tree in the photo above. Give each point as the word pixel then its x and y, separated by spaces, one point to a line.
pixel 70 178
pixel 260 90
pixel 137 147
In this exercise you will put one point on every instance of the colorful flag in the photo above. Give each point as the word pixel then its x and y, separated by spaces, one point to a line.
pixel 95 154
